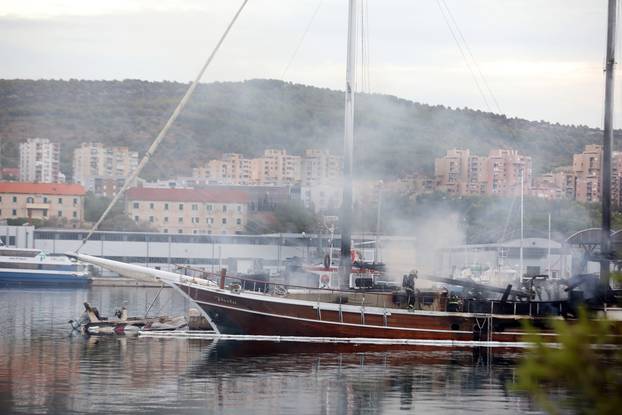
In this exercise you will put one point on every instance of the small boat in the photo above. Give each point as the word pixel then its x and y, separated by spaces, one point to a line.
pixel 91 322
pixel 35 268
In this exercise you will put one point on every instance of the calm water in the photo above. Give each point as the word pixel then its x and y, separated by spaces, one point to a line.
pixel 45 369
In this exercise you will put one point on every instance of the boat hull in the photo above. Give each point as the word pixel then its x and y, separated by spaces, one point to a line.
pixel 263 315
pixel 33 278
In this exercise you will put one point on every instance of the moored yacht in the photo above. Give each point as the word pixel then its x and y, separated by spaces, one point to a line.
pixel 34 267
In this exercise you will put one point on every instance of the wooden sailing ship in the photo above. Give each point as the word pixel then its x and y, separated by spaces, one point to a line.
pixel 363 312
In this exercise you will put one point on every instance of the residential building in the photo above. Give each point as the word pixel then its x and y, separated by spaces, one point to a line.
pixel 103 170
pixel 232 168
pixel 506 171
pixel 452 172
pixel 46 201
pixel 320 167
pixel 197 211
pixel 587 168
pixel 461 173
pixel 39 161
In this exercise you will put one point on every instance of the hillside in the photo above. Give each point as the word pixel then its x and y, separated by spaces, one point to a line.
pixel 393 136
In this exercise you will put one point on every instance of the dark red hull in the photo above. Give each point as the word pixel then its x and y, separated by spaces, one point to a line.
pixel 261 314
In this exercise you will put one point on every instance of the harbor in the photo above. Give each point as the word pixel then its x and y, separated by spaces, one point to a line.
pixel 45 368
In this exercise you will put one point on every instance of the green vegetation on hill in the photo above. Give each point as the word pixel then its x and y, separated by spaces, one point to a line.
pixel 393 136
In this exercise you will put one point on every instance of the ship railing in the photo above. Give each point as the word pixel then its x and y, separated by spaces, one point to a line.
pixel 237 283
pixel 244 283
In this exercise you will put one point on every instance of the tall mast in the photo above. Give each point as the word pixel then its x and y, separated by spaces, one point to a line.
pixel 522 220
pixel 605 247
pixel 345 219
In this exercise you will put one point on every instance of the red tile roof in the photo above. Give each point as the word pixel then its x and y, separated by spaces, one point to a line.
pixel 187 195
pixel 42 188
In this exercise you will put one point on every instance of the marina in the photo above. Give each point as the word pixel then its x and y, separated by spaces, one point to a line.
pixel 308 280
pixel 44 368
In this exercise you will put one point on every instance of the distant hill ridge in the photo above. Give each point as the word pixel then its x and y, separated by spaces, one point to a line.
pixel 393 136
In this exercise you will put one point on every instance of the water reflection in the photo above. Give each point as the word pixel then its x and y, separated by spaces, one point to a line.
pixel 44 369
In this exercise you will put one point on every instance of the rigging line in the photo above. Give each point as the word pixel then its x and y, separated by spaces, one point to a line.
pixel 464 56
pixel 468 49
pixel 302 38
pixel 164 130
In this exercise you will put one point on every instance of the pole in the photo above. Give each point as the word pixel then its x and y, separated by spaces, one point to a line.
pixel 522 220
pixel 376 252
pixel 607 145
pixel 548 253
pixel 345 219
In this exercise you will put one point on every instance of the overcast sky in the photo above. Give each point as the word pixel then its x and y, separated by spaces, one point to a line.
pixel 542 59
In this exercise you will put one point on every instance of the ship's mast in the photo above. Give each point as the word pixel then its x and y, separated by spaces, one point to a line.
pixel 345 218
pixel 605 245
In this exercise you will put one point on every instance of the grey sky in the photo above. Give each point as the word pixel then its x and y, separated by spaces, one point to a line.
pixel 543 59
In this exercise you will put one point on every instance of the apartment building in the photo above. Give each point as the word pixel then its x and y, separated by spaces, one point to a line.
pixel 44 201
pixel 506 170
pixel 39 161
pixel 103 170
pixel 196 211
pixel 461 173
pixel 320 167
pixel 274 168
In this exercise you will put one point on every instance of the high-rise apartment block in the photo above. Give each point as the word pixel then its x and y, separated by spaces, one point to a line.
pixel 461 173
pixel 39 161
pixel 103 170
pixel 275 167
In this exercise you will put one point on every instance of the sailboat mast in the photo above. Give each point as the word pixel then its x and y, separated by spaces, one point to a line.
pixel 605 247
pixel 345 219
pixel 522 221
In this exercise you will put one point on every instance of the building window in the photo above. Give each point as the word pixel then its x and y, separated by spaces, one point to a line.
pixel 208 207
pixel 14 199
pixel 194 231
pixel 45 199
pixel 135 205
pixel 166 219
pixel 75 200
pixel 150 205
pixel 224 221
pixel 224 208
pixel 195 206
pixel 60 200
pixel 239 208
pixel 179 231
pixel 59 213
pixel 30 200
pixel 238 221
pixel 14 212
pixel 181 206
pixel 180 220
pixel 135 218
pixel 166 206
pixel 45 213
pixel 151 219
pixel 165 230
